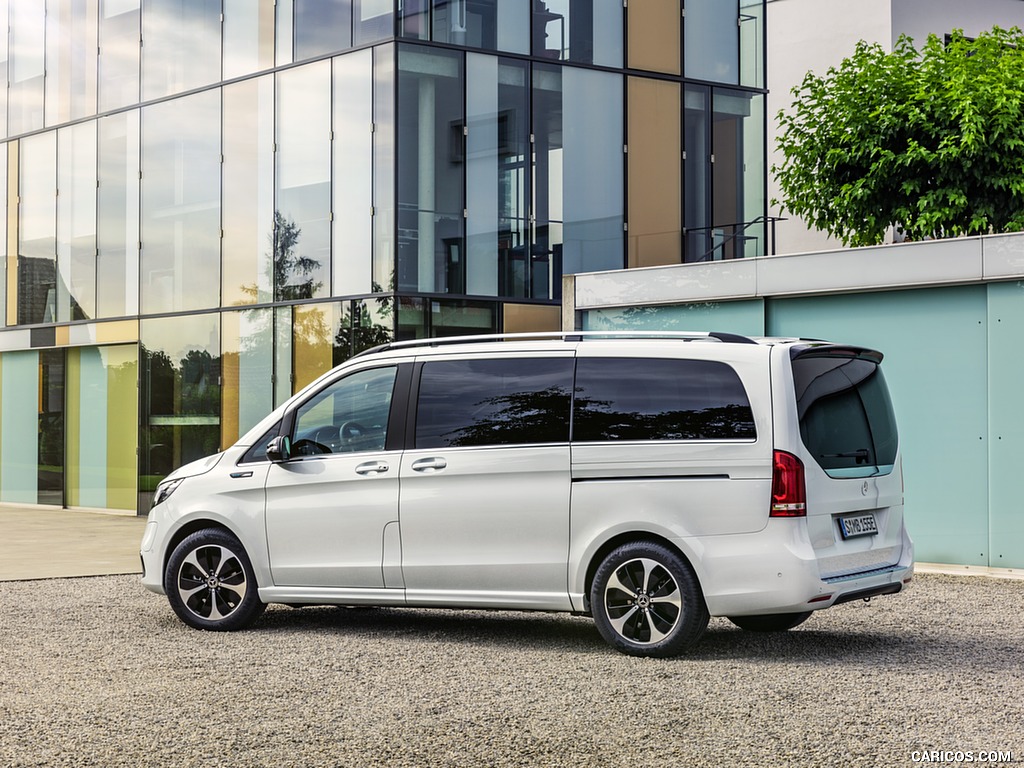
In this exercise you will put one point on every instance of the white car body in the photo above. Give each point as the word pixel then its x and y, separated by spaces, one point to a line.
pixel 528 525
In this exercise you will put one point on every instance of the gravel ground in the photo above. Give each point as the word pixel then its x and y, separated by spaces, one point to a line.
pixel 98 672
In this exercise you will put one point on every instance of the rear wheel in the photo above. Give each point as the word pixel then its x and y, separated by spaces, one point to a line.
pixel 771 622
pixel 646 601
pixel 210 583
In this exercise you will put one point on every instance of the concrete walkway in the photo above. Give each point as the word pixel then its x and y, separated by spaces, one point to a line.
pixel 46 543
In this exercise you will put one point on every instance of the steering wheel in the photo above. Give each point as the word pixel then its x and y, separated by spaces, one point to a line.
pixel 351 431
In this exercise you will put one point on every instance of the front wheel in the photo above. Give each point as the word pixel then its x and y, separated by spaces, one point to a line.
pixel 210 583
pixel 646 601
pixel 770 622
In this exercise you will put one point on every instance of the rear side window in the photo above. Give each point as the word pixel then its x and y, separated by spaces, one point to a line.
pixel 846 417
pixel 494 402
pixel 659 399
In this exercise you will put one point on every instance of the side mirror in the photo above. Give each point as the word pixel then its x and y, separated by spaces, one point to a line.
pixel 279 449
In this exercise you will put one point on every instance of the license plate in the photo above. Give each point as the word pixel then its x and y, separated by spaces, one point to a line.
pixel 857 525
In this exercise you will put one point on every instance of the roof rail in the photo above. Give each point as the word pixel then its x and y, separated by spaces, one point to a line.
pixel 730 338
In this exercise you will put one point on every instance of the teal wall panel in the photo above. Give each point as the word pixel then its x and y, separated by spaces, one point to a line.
pixel 1006 424
pixel 19 427
pixel 744 317
pixel 934 341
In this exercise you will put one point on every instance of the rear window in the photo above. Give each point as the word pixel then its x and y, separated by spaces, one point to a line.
pixel 659 399
pixel 846 417
pixel 494 402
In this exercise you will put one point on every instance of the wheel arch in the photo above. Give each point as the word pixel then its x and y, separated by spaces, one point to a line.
pixel 186 530
pixel 630 537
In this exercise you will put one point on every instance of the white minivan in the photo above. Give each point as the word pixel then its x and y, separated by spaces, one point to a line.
pixel 648 480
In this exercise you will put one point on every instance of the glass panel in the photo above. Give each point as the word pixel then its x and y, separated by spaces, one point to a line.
pixel 285 34
pixel 696 179
pixel 302 220
pixel 494 402
pixel 51 427
pixel 497 177
pixel 349 416
pixel 384 167
pixel 120 34
pixel 364 323
pixel 117 226
pixel 712 40
pixel 430 172
pixel 181 154
pixel 180 394
pixel 583 31
pixel 4 60
pixel 321 26
pixel 102 427
pixel 248 37
pixel 654 32
pixel 578 189
pixel 76 222
pixel 483 24
pixel 182 45
pixel 37 246
pixel 461 318
pixel 372 20
pixel 353 174
pixel 248 201
pixel 283 368
pixel 752 40
pixel 19 427
pixel 27 66
pixel 11 241
pixel 655 169
pixel 738 174
pixel 71 60
pixel 314 341
pixel 247 367
pixel 414 19
pixel 651 399
pixel 846 418
pixel 8 251
pixel 424 318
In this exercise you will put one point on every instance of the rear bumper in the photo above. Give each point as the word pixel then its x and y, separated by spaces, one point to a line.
pixel 776 571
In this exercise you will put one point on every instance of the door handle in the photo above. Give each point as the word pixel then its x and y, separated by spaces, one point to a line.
pixel 429 465
pixel 372 468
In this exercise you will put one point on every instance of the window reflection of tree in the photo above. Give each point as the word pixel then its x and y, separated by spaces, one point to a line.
pixel 515 418
pixel 292 276
pixel 595 421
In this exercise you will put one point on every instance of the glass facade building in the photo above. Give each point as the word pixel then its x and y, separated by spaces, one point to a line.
pixel 211 202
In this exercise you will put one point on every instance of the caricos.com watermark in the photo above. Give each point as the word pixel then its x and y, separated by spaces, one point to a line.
pixel 960 756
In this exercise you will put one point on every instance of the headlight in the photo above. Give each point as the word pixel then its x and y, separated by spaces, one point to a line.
pixel 164 490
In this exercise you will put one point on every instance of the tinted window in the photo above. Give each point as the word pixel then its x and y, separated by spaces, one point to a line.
pixel 349 415
pixel 654 399
pixel 494 402
pixel 846 418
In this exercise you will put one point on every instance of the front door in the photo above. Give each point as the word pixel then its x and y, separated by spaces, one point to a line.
pixel 328 506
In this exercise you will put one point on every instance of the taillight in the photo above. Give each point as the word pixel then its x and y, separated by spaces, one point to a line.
pixel 789 491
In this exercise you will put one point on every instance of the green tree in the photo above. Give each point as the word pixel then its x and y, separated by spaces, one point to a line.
pixel 930 141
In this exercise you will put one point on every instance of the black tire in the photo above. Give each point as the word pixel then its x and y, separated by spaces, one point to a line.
pixel 210 582
pixel 770 622
pixel 646 601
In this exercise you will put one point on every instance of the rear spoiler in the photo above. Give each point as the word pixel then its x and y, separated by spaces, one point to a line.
pixel 802 351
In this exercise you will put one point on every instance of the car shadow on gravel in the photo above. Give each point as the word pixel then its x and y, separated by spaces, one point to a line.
pixel 547 632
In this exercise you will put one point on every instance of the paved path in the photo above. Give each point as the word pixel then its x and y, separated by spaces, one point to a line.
pixel 43 543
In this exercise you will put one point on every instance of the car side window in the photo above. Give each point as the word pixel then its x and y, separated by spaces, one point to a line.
pixel 507 401
pixel 659 399
pixel 348 415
